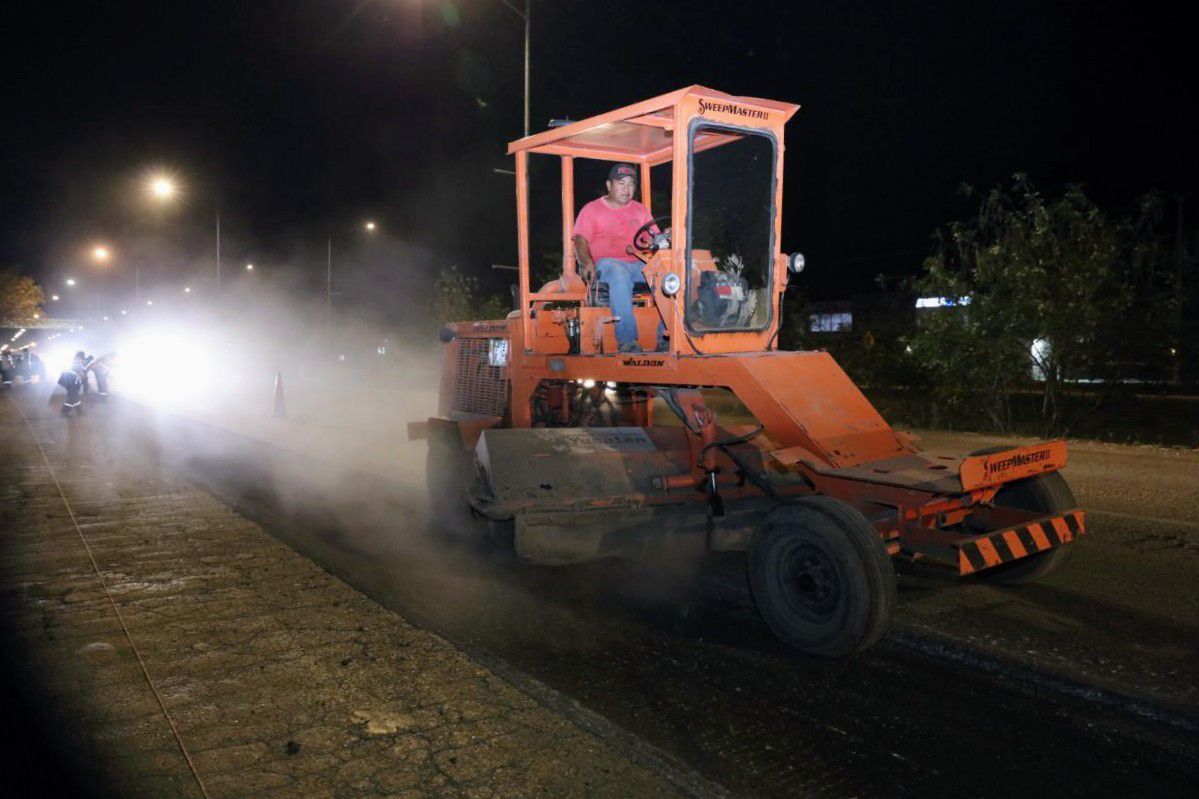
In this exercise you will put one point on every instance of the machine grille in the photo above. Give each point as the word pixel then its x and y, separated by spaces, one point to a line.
pixel 478 386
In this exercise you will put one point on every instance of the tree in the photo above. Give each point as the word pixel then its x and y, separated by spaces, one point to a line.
pixel 1039 292
pixel 458 298
pixel 21 298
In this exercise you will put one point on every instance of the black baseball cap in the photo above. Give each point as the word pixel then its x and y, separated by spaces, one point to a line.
pixel 621 171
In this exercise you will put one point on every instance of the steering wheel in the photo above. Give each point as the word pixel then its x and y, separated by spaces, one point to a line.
pixel 647 241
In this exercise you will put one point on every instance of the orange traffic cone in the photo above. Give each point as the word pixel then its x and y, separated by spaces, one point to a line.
pixel 280 411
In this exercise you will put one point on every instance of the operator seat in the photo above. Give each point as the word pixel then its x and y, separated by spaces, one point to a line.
pixel 597 293
pixel 597 290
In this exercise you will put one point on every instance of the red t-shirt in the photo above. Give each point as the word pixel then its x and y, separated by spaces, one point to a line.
pixel 609 229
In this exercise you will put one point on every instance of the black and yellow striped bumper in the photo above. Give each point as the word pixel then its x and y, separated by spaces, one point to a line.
pixel 1012 543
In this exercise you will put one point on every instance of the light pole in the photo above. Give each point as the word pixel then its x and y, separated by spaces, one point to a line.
pixel 163 189
pixel 527 16
pixel 101 255
pixel 71 283
pixel 370 226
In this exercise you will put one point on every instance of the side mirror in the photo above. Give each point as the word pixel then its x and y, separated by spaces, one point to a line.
pixel 795 263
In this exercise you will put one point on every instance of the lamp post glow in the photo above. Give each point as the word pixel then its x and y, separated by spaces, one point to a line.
pixel 249 267
pixel 70 281
pixel 162 187
pixel 100 254
pixel 370 226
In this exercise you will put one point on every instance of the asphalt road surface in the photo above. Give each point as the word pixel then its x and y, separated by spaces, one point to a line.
pixel 1083 686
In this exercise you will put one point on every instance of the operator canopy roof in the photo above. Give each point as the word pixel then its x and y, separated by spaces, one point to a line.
pixel 642 132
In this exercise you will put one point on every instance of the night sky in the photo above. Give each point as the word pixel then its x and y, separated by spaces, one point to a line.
pixel 296 120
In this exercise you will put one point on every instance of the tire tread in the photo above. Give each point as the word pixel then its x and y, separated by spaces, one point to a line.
pixel 867 549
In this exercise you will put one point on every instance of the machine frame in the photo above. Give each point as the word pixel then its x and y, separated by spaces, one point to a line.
pixel 522 402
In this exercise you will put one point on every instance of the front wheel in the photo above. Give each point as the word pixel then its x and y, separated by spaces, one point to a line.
pixel 821 577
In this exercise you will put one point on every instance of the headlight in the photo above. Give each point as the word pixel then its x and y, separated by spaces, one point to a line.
pixel 795 263
pixel 671 284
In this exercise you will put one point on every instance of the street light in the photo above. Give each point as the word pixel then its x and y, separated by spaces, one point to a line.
pixel 249 267
pixel 70 281
pixel 163 188
pixel 101 254
pixel 54 298
pixel 187 289
pixel 369 226
pixel 527 16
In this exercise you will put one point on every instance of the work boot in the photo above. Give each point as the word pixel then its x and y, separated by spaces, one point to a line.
pixel 629 346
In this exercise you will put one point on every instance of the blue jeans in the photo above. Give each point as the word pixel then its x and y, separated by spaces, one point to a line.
pixel 621 276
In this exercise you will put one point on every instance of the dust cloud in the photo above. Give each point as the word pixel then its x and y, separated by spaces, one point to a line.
pixel 325 462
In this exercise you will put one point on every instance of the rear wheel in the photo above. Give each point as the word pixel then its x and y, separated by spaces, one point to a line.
pixel 1045 494
pixel 821 577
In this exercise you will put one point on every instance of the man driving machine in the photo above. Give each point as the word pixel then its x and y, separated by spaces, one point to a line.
pixel 603 231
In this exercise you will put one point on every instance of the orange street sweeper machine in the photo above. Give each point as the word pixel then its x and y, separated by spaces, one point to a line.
pixel 721 441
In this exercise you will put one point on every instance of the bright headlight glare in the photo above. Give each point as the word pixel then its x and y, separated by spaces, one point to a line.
pixel 167 366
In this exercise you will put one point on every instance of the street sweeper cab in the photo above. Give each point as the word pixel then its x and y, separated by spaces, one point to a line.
pixel 554 441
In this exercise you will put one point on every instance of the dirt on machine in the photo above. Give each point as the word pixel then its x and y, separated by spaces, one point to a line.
pixel 721 441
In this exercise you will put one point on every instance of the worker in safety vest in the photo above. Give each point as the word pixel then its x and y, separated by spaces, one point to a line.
pixel 74 380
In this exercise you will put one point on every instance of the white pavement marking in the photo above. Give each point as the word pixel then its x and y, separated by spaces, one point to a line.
pixel 1139 518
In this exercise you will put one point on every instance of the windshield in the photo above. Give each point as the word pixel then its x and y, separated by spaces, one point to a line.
pixel 730 231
